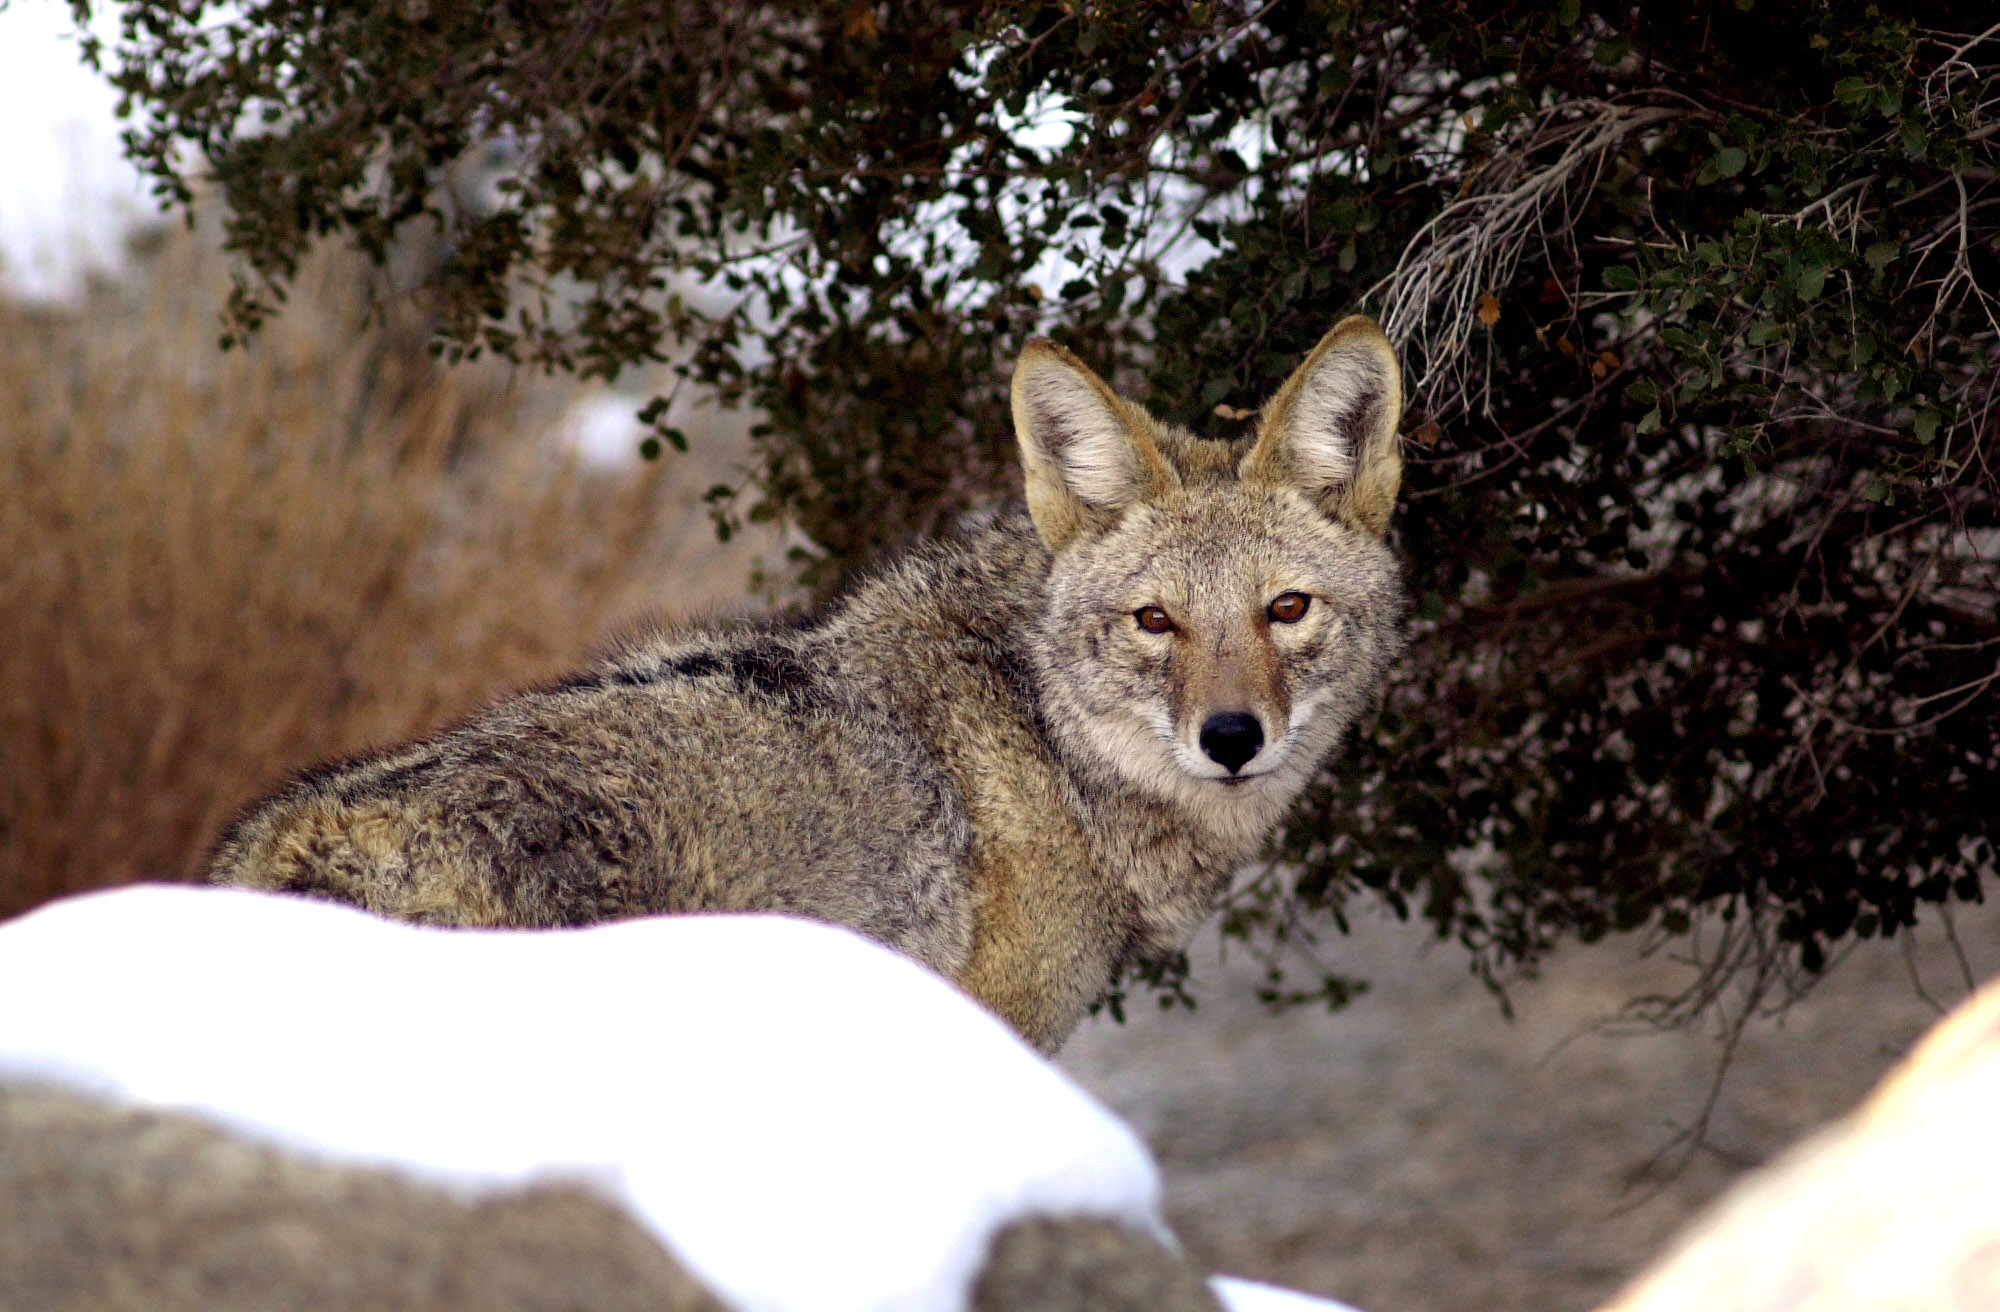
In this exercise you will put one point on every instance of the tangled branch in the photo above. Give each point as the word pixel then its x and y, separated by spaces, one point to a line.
pixel 1429 302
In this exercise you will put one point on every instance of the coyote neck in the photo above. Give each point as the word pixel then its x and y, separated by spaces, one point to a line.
pixel 1075 869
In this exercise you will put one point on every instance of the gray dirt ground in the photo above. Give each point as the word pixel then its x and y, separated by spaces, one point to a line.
pixel 1416 1152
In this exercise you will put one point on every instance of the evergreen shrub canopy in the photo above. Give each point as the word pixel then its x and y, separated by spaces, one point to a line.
pixel 1698 302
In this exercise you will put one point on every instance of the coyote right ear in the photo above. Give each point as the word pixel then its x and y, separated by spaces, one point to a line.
pixel 1331 429
pixel 1087 455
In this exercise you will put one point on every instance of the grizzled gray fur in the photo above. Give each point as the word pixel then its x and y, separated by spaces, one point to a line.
pixel 1027 757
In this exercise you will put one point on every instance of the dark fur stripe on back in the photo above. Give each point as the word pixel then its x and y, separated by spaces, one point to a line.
pixel 767 669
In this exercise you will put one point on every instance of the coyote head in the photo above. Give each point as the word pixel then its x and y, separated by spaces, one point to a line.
pixel 1218 612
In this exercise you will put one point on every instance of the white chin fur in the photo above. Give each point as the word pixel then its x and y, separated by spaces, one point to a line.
pixel 1260 766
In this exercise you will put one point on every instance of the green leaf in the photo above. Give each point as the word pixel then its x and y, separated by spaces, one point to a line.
pixel 1621 279
pixel 1852 91
pixel 1925 425
pixel 1914 138
pixel 1730 160
pixel 1569 12
pixel 1880 253
pixel 649 449
pixel 1642 391
pixel 1764 332
pixel 1650 421
pixel 1812 281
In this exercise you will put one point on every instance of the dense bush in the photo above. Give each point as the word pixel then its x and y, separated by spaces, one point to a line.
pixel 1698 302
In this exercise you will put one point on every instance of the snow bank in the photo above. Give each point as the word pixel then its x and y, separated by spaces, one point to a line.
pixel 808 1120
pixel 1249 1296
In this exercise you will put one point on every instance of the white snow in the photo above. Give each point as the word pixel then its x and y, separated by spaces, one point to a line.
pixel 603 429
pixel 1250 1296
pixel 809 1120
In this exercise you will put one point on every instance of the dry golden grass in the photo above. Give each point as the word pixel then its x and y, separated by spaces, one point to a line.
pixel 218 567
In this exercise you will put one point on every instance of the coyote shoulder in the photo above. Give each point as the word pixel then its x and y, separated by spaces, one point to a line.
pixel 1027 757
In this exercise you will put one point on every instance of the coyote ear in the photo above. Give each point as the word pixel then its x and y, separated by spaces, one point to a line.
pixel 1087 454
pixel 1331 429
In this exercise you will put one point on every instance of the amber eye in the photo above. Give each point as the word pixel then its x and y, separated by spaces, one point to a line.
pixel 1153 620
pixel 1290 607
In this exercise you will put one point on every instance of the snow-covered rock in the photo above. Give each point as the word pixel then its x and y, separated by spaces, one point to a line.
pixel 113 1206
pixel 1892 1208
pixel 807 1120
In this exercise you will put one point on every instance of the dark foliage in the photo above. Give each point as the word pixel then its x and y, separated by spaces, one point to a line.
pixel 1698 301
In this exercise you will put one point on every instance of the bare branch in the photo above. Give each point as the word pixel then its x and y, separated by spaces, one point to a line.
pixel 1429 304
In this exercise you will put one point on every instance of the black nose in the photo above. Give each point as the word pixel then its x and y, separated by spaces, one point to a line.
pixel 1231 738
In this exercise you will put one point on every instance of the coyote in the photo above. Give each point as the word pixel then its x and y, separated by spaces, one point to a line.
pixel 1029 757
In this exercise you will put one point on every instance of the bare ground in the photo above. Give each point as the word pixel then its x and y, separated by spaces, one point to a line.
pixel 1416 1152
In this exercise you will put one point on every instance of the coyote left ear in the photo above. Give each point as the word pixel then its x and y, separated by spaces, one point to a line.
pixel 1331 429
pixel 1087 454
